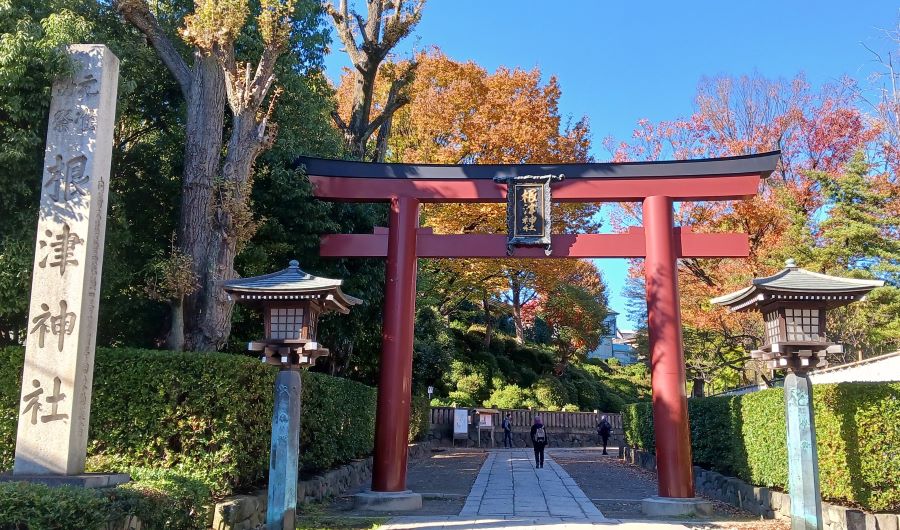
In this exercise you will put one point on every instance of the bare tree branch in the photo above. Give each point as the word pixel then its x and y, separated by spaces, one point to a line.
pixel 138 14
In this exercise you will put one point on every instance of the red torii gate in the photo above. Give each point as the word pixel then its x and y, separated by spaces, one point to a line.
pixel 656 184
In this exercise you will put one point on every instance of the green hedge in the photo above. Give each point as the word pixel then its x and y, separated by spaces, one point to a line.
pixel 203 415
pixel 857 434
pixel 419 418
pixel 161 500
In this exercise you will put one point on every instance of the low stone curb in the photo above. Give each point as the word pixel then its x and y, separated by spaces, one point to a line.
pixel 766 502
pixel 248 512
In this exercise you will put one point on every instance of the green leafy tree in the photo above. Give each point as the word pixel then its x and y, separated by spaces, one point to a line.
pixel 860 237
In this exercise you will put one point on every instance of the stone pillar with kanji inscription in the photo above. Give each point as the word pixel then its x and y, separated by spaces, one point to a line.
pixel 55 405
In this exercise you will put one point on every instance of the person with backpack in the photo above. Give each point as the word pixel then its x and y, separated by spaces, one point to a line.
pixel 604 429
pixel 539 440
pixel 507 431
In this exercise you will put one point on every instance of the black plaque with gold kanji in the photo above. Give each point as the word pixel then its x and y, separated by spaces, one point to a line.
pixel 528 211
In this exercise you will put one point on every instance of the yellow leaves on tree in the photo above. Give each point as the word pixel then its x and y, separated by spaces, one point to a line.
pixel 215 23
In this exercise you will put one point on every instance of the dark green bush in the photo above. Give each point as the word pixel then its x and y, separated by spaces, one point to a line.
pixel 857 436
pixel 39 507
pixel 204 415
pixel 338 422
pixel 161 500
pixel 419 418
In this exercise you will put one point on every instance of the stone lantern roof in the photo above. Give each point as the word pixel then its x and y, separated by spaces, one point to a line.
pixel 793 284
pixel 291 283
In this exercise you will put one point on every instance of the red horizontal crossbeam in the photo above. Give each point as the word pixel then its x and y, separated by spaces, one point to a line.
pixel 626 245
pixel 695 188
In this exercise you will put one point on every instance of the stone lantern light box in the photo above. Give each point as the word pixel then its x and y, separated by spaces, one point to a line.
pixel 291 301
pixel 793 303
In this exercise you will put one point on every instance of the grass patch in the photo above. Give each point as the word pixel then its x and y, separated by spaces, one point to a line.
pixel 339 522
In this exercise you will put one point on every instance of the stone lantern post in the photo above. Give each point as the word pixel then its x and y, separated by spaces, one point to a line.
pixel 291 301
pixel 793 303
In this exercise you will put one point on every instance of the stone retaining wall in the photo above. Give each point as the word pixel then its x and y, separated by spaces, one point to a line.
pixel 248 512
pixel 766 502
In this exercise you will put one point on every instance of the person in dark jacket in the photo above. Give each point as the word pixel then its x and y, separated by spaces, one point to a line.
pixel 604 429
pixel 507 431
pixel 539 440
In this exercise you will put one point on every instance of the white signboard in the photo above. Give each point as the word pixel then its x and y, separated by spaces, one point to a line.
pixel 486 419
pixel 460 423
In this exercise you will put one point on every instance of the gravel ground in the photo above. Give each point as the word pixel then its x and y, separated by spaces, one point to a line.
pixel 444 480
pixel 616 488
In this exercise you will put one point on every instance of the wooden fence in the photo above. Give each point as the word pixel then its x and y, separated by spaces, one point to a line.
pixel 523 419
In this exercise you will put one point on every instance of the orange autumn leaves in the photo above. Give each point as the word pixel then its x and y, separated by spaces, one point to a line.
pixel 816 130
pixel 459 113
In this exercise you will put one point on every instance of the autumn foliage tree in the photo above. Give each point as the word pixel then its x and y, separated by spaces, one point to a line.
pixel 368 41
pixel 458 113
pixel 818 133
pixel 575 308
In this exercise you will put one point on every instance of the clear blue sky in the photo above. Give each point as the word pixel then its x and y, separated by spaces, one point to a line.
pixel 621 61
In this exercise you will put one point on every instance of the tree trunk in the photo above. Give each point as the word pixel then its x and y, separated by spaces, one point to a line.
pixel 175 338
pixel 230 226
pixel 699 387
pixel 516 288
pixel 488 324
pixel 362 105
pixel 203 146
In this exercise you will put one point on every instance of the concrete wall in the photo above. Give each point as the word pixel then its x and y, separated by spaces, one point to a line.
pixel 878 369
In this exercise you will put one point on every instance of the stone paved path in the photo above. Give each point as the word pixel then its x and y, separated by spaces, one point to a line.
pixel 510 485
pixel 615 487
pixel 509 492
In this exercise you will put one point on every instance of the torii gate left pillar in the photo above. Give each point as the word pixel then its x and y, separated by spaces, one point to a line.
pixel 395 376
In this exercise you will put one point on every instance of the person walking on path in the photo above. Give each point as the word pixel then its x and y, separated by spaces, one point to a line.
pixel 604 429
pixel 507 431
pixel 539 440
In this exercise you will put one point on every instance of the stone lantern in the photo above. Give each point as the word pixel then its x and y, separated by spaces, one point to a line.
pixel 291 301
pixel 794 303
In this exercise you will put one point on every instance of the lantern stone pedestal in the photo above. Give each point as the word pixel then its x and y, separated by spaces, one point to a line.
pixel 284 459
pixel 803 458
pixel 388 501
pixel 673 507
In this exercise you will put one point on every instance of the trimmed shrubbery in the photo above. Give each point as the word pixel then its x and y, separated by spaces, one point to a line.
pixel 159 499
pixel 202 415
pixel 419 418
pixel 857 433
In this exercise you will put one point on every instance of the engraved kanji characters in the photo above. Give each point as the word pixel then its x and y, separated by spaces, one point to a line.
pixel 33 405
pixel 62 249
pixel 67 180
pixel 60 325
pixel 79 121
pixel 89 86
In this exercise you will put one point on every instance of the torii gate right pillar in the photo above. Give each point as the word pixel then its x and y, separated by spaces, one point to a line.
pixel 667 372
